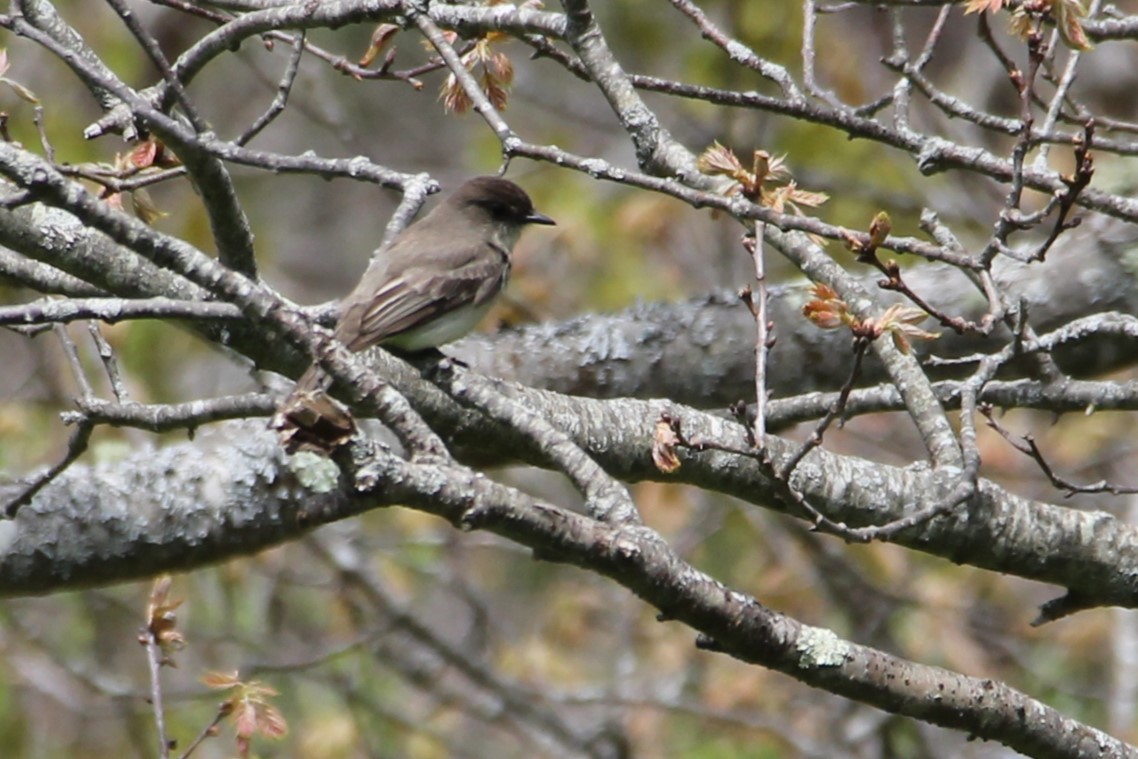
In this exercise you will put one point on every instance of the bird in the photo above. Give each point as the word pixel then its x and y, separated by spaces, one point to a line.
pixel 432 285
pixel 439 278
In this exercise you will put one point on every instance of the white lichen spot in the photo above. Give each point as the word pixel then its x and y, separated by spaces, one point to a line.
pixel 738 52
pixel 214 493
pixel 56 226
pixel 358 165
pixel 595 167
pixel 820 648
pixel 626 549
pixel 318 474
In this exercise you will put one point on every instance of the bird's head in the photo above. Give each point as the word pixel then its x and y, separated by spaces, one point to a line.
pixel 499 204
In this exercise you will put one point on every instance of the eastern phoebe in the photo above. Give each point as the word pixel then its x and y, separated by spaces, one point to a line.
pixel 437 279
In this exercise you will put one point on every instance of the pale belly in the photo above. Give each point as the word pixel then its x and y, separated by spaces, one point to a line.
pixel 445 329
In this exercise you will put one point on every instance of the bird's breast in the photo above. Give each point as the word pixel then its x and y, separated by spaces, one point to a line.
pixel 444 329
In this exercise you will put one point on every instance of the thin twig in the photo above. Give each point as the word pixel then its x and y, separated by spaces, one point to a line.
pixel 39 120
pixel 71 353
pixel 739 52
pixel 280 100
pixel 76 446
pixel 208 731
pixel 111 310
pixel 1060 96
pixel 110 364
pixel 860 346
pixel 154 52
pixel 164 417
pixel 809 70
pixel 1079 181
pixel 154 659
pixel 1029 447
pixel 753 243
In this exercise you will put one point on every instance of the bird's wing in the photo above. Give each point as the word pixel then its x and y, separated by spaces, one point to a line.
pixel 419 295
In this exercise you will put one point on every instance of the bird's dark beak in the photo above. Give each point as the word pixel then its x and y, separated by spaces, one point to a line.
pixel 539 218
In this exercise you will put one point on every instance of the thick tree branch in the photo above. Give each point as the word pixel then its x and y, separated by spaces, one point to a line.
pixel 270 505
pixel 999 531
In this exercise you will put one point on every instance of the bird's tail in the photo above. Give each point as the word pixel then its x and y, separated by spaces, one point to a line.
pixel 309 419
pixel 312 380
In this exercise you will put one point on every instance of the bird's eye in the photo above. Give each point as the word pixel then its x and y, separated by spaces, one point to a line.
pixel 500 210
